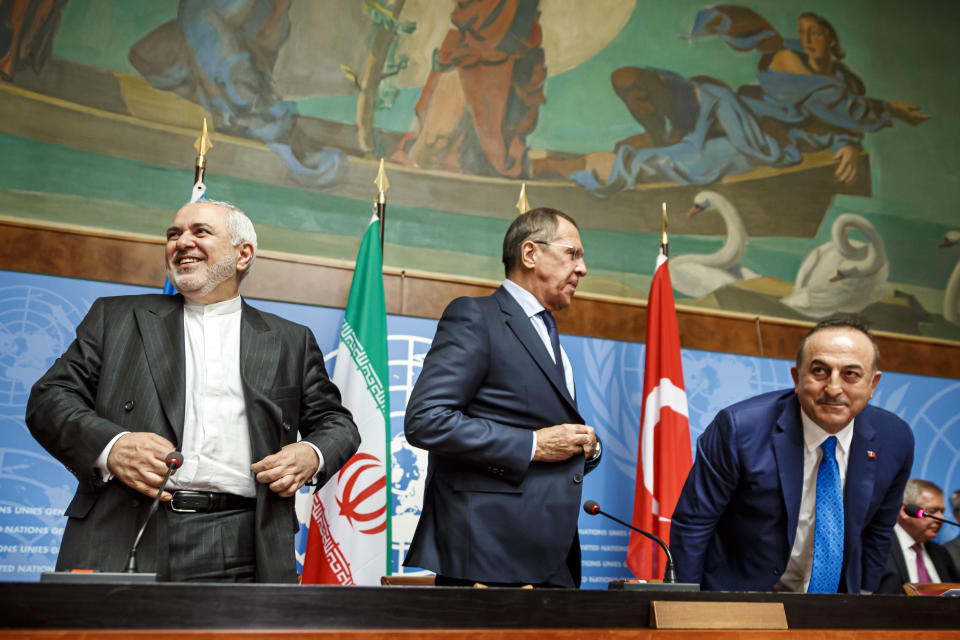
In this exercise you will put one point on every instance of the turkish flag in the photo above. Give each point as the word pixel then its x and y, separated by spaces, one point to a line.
pixel 663 453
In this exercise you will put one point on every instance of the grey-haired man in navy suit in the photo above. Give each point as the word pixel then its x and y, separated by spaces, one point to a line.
pixel 495 406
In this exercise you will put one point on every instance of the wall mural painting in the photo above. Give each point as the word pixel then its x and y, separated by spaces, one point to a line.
pixel 794 160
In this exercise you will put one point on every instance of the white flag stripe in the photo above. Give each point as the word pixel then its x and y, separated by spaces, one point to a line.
pixel 661 258
pixel 366 553
pixel 665 394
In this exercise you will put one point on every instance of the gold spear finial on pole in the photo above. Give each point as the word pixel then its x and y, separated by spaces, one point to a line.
pixel 202 145
pixel 664 241
pixel 523 205
pixel 382 185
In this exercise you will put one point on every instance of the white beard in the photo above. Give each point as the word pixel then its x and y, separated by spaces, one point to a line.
pixel 205 282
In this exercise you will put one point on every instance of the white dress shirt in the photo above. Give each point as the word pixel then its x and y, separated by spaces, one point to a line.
pixel 796 577
pixel 905 540
pixel 532 307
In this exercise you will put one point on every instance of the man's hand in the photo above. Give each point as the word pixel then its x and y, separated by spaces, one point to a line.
pixel 137 459
pixel 909 113
pixel 288 469
pixel 847 167
pixel 563 441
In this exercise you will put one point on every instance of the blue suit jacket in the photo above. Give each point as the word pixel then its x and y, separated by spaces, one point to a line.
pixel 735 522
pixel 489 513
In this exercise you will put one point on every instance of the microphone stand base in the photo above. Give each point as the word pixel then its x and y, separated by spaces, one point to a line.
pixel 103 577
pixel 633 585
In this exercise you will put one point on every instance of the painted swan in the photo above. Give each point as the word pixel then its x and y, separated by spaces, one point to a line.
pixel 843 275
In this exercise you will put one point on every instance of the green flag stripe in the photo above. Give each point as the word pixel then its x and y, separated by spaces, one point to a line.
pixel 359 355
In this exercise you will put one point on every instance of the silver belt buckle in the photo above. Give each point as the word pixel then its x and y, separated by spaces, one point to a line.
pixel 186 495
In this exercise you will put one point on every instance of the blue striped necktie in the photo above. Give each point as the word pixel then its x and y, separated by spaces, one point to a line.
pixel 828 532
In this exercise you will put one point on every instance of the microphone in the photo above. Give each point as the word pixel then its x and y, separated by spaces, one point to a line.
pixel 914 511
pixel 173 461
pixel 593 508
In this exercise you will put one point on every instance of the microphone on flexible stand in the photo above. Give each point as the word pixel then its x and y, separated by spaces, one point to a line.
pixel 173 461
pixel 670 576
pixel 915 511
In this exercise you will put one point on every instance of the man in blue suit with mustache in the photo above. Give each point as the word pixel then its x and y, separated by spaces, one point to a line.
pixel 798 490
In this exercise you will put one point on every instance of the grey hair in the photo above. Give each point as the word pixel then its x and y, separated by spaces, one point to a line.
pixel 916 486
pixel 537 225
pixel 955 502
pixel 239 227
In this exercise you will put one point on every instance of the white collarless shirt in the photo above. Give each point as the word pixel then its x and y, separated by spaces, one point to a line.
pixel 796 576
pixel 216 437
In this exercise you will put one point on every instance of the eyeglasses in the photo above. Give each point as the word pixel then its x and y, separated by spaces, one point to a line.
pixel 576 255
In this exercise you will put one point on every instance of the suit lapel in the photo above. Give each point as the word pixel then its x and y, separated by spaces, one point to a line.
pixel 896 552
pixel 861 472
pixel 259 359
pixel 161 330
pixel 259 350
pixel 788 450
pixel 519 324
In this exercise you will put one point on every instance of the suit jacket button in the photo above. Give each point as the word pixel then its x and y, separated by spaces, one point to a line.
pixel 286 426
pixel 129 405
pixel 777 571
pixel 577 478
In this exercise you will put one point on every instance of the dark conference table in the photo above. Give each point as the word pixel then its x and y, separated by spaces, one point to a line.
pixel 182 610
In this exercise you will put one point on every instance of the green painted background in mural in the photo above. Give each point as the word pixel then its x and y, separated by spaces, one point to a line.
pixel 902 51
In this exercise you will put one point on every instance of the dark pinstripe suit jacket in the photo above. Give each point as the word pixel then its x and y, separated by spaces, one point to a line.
pixel 125 372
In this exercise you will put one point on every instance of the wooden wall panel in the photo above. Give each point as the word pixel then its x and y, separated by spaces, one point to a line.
pixel 136 259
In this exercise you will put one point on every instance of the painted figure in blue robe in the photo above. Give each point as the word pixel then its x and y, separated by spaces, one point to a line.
pixel 220 54
pixel 699 130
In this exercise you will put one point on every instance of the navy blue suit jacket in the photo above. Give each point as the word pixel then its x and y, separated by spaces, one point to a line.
pixel 489 513
pixel 736 519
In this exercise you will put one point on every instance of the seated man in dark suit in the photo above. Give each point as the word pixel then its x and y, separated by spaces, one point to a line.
pixel 914 556
pixel 954 545
pixel 495 406
pixel 797 490
pixel 201 372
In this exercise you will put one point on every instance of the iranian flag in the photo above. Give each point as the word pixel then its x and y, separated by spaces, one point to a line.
pixel 663 453
pixel 349 537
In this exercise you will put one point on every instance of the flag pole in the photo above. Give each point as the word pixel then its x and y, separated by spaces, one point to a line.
pixel 664 241
pixel 523 205
pixel 382 185
pixel 663 452
pixel 202 145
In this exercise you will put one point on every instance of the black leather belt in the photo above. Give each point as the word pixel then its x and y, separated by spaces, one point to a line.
pixel 207 501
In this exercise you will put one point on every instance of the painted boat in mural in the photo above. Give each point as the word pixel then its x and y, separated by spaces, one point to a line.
pixel 119 114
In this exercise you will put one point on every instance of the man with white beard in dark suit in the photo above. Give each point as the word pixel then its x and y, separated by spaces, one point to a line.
pixel 207 374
